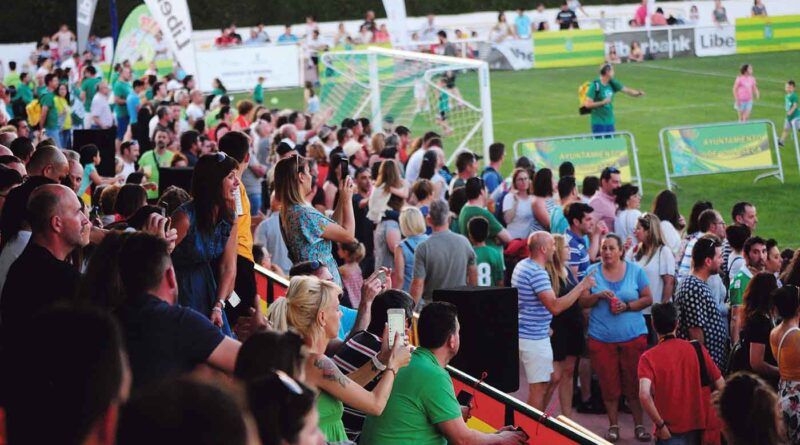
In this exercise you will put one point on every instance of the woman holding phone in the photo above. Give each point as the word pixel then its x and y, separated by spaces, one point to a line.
pixel 204 242
pixel 309 235
pixel 617 331
pixel 312 308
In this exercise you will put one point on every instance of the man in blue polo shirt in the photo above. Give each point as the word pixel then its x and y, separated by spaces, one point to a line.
pixel 582 226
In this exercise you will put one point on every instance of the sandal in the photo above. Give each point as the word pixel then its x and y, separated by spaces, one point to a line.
pixel 641 434
pixel 613 433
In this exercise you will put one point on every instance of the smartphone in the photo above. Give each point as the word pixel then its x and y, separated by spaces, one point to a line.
pixel 397 323
pixel 464 399
pixel 382 276
pixel 345 163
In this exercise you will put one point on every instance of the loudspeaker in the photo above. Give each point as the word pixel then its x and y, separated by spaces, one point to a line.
pixel 177 176
pixel 104 139
pixel 489 333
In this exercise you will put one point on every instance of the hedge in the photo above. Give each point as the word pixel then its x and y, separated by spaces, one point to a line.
pixel 29 20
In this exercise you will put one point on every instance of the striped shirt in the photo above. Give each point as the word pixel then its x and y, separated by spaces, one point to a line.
pixel 578 253
pixel 686 261
pixel 352 355
pixel 531 280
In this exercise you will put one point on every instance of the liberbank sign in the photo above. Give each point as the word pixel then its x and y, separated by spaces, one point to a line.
pixel 715 40
pixel 658 43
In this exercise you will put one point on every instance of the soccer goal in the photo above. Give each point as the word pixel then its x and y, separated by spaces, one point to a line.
pixel 421 91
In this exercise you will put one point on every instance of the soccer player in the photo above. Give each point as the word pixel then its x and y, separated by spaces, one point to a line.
pixel 792 110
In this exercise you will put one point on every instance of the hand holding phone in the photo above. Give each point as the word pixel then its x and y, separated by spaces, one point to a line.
pixel 396 319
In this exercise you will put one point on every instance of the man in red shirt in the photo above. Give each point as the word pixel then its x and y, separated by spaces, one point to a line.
pixel 670 386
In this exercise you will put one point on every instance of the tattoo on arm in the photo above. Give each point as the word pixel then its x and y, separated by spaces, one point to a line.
pixel 330 371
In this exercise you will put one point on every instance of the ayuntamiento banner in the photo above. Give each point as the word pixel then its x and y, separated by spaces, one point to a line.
pixel 719 149
pixel 589 155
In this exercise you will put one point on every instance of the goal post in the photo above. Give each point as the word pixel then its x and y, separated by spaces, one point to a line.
pixel 423 92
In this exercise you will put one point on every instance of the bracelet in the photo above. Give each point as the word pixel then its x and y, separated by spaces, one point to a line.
pixel 394 371
pixel 216 309
pixel 221 303
pixel 377 364
pixel 661 425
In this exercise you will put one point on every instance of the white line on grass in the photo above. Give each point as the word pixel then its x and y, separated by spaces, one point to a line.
pixel 704 73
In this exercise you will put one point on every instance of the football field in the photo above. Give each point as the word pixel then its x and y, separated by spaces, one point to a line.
pixel 540 103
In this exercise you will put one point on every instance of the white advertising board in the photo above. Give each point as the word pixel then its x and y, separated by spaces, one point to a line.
pixel 715 40
pixel 239 68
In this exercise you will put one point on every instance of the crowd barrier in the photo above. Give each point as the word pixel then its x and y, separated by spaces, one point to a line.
pixel 589 153
pixel 726 147
pixel 795 128
pixel 492 409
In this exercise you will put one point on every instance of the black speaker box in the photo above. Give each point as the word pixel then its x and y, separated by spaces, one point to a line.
pixel 104 139
pixel 489 333
pixel 177 176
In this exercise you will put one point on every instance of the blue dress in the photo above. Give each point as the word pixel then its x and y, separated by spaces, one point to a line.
pixel 304 239
pixel 193 259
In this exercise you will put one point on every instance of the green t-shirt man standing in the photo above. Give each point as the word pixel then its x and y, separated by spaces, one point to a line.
pixel 599 99
pixel 89 87
pixel 488 259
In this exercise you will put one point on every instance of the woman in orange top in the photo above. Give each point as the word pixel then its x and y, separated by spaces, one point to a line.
pixel 244 119
pixel 785 343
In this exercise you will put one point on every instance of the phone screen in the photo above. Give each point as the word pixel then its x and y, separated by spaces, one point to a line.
pixel 382 276
pixel 396 319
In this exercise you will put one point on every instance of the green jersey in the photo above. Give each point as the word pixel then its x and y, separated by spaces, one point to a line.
pixel 598 91
pixel 48 100
pixel 470 211
pixel 738 285
pixel 12 79
pixel 258 94
pixel 89 86
pixel 150 162
pixel 490 265
pixel 791 100
pixel 25 93
pixel 121 91
pixel 444 102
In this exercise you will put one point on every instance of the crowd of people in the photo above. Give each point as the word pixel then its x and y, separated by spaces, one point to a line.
pixel 122 301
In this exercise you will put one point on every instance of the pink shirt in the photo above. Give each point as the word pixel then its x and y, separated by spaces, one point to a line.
pixel 744 86
pixel 604 208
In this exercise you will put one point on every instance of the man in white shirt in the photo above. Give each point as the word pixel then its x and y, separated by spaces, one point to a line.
pixel 539 20
pixel 100 111
pixel 129 151
pixel 429 30
pixel 196 109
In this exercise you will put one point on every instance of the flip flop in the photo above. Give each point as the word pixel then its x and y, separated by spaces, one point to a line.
pixel 613 433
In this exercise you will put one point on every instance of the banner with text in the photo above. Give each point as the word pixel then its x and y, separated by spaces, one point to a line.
pixel 719 148
pixel 576 47
pixel 175 22
pixel 715 40
pixel 589 155
pixel 510 54
pixel 764 34
pixel 656 44
pixel 240 67
pixel 86 10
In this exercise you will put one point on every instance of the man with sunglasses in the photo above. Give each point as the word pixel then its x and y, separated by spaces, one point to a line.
pixel 699 317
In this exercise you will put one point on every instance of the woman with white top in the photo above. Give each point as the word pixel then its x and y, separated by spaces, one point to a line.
pixel 517 205
pixel 657 261
pixel 432 161
pixel 628 201
pixel 665 206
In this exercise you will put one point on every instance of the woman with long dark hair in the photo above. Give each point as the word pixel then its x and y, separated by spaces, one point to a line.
pixel 432 161
pixel 665 206
pixel 205 254
pixel 543 201
pixel 784 340
pixel 309 234
pixel 752 353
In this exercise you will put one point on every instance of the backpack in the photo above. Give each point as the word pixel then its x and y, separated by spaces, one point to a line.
pixel 583 90
pixel 34 111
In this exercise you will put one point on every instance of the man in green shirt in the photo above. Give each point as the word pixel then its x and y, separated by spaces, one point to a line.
pixel 151 160
pixel 49 117
pixel 792 110
pixel 599 96
pixel 122 88
pixel 12 78
pixel 476 206
pixel 89 86
pixel 488 260
pixel 258 91
pixel 24 90
pixel 755 258
pixel 422 409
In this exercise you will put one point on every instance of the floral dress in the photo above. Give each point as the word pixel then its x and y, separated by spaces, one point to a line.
pixel 303 236
pixel 193 259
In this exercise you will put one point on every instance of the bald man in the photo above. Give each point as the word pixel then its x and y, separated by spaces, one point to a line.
pixel 4 151
pixel 41 276
pixel 538 303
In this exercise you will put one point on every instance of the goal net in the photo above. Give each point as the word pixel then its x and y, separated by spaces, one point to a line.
pixel 423 92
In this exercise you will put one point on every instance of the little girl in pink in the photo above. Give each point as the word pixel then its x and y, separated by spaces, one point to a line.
pixel 743 90
pixel 352 278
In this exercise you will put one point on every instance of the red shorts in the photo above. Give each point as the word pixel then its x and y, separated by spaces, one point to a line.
pixel 616 365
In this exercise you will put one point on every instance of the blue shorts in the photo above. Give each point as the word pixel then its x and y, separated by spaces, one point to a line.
pixel 744 106
pixel 122 126
pixel 600 128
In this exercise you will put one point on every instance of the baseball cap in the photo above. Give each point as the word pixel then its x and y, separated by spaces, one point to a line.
pixel 284 147
pixel 326 131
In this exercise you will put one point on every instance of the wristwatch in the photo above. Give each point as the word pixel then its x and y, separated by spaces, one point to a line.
pixel 661 425
pixel 377 364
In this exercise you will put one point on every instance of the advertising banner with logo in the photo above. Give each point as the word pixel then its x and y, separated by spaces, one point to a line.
pixel 656 44
pixel 241 67
pixel 718 148
pixel 86 10
pixel 576 47
pixel 175 22
pixel 589 155
pixel 715 40
pixel 510 54
pixel 137 38
pixel 764 34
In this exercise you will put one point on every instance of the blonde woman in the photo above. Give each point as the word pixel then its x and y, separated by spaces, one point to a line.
pixel 312 308
pixel 385 203
pixel 412 227
pixel 657 261
pixel 376 145
pixel 567 339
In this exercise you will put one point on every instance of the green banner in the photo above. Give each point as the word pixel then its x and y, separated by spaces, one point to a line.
pixel 137 43
pixel 765 34
pixel 589 156
pixel 719 149
pixel 575 47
